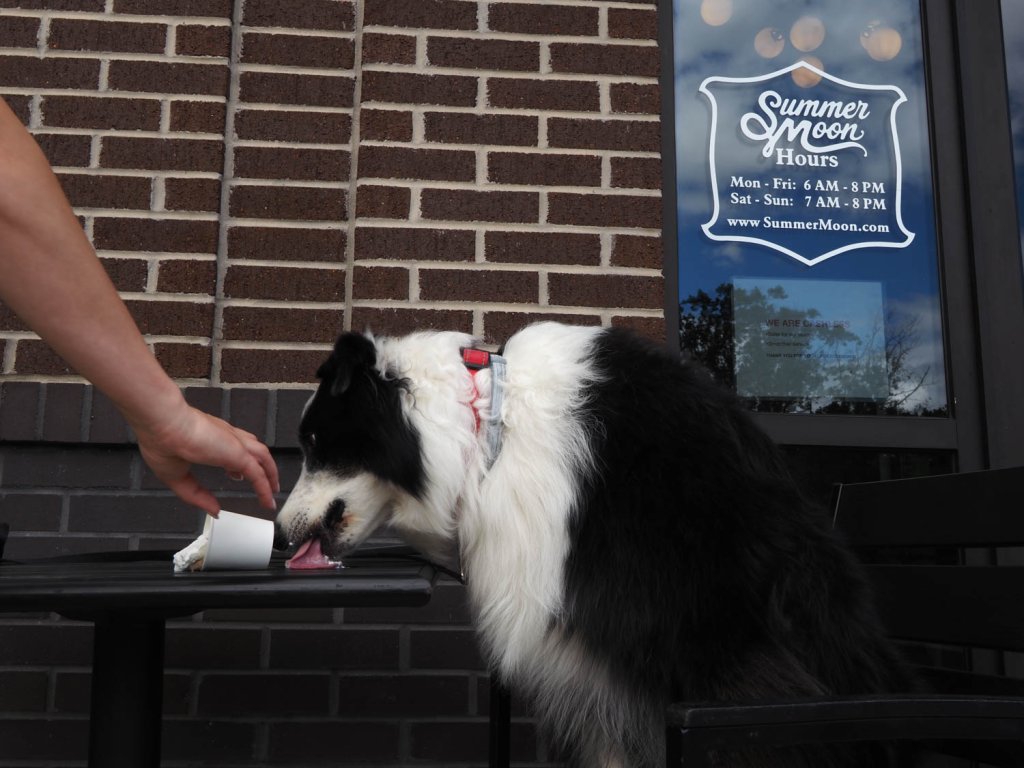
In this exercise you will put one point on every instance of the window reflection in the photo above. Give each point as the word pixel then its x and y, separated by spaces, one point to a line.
pixel 807 254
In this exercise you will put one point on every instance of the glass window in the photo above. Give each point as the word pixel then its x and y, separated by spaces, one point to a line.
pixel 808 266
pixel 1013 42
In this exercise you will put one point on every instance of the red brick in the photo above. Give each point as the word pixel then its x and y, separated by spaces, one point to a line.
pixel 543 248
pixel 166 235
pixel 381 283
pixel 462 128
pixel 542 19
pixel 625 135
pixel 385 125
pixel 603 59
pixel 636 99
pixel 163 77
pixel 294 203
pixel 209 8
pixel 633 24
pixel 63 149
pixel 286 244
pixel 19 32
pixel 425 14
pixel 499 326
pixel 415 244
pixel 33 72
pixel 102 191
pixel 162 154
pixel 36 358
pixel 284 283
pixel 604 291
pixel 478 285
pixel 101 113
pixel 310 14
pixel 291 88
pixel 636 172
pixel 388 49
pixel 196 40
pixel 637 251
pixel 127 274
pixel 270 366
pixel 287 163
pixel 380 202
pixel 411 88
pixel 279 125
pixel 472 205
pixel 192 195
pixel 568 95
pixel 543 168
pixel 298 51
pixel 652 328
pixel 184 361
pixel 282 324
pixel 470 53
pixel 187 276
pixel 92 35
pixel 198 116
pixel 395 321
pixel 604 210
pixel 408 163
pixel 172 318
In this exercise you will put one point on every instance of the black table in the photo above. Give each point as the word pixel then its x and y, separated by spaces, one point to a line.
pixel 130 597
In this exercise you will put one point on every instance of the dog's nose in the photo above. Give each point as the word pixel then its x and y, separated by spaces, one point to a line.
pixel 280 539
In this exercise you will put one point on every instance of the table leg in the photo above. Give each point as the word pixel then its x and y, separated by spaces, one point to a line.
pixel 127 693
pixel 500 725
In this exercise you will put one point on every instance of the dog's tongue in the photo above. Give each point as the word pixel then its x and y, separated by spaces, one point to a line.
pixel 310 556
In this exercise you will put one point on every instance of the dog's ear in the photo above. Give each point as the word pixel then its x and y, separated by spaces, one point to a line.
pixel 353 354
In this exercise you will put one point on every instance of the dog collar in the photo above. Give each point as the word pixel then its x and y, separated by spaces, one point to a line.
pixel 475 361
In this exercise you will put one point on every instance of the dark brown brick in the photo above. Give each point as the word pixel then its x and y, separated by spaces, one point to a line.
pixel 298 203
pixel 636 99
pixel 381 283
pixel 92 35
pixel 478 285
pixel 184 361
pixel 544 168
pixel 542 19
pixel 291 88
pixel 568 95
pixel 333 648
pixel 455 741
pixel 499 326
pixel 298 51
pixel 65 150
pixel 385 125
pixel 270 366
pixel 209 8
pixel 287 163
pixel 633 24
pixel 405 695
pixel 636 172
pixel 198 116
pixel 388 49
pixel 43 739
pixel 473 205
pixel 373 742
pixel 250 694
pixel 463 128
pixel 181 236
pixel 65 73
pixel 37 358
pixel 197 40
pixel 603 59
pixel 23 691
pixel 102 113
pixel 163 77
pixel 266 324
pixel 19 407
pixel 380 202
pixel 162 154
pixel 652 328
pixel 423 14
pixel 415 244
pixel 284 283
pixel 394 321
pixel 408 163
pixel 94 6
pixel 625 135
pixel 470 53
pixel 19 32
pixel 543 248
pixel 197 276
pixel 62 415
pixel 290 244
pixel 277 125
pixel 101 191
pixel 172 318
pixel 43 467
pixel 21 106
pixel 573 290
pixel 136 512
pixel 411 88
pixel 192 195
pixel 637 251
pixel 312 14
pixel 455 649
pixel 604 210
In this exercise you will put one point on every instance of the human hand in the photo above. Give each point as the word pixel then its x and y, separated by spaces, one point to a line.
pixel 193 437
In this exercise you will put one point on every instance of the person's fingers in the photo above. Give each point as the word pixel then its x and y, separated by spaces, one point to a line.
pixel 188 489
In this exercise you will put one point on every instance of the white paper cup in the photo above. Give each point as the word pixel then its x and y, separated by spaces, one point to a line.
pixel 238 541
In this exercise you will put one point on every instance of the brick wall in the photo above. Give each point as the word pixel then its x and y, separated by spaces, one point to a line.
pixel 257 176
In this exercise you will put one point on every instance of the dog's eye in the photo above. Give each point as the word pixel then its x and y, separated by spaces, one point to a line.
pixel 312 440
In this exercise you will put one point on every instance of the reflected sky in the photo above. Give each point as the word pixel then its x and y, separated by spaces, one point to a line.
pixel 1013 38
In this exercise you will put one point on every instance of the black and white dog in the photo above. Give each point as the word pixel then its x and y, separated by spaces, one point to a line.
pixel 633 539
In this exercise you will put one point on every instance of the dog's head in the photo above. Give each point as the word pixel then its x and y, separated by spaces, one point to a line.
pixel 378 446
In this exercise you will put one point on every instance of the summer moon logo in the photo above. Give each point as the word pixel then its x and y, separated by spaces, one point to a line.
pixel 810 177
